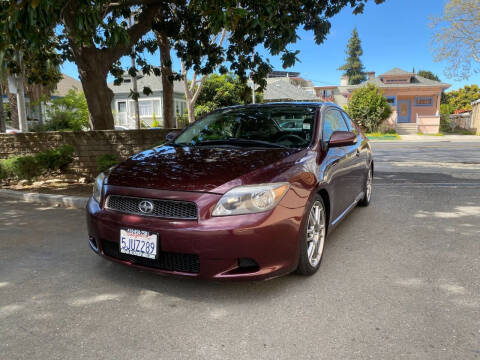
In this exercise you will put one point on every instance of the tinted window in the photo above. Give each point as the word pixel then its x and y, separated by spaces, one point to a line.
pixel 333 122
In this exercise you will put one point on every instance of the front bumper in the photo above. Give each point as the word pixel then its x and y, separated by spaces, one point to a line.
pixel 270 239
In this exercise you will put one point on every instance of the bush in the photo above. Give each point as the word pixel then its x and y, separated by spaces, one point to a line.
pixel 66 113
pixel 57 159
pixel 106 161
pixel 28 167
pixel 368 107
pixel 22 167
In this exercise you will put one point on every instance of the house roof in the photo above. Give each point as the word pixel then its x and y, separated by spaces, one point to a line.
pixel 144 80
pixel 283 90
pixel 416 81
pixel 396 71
pixel 65 84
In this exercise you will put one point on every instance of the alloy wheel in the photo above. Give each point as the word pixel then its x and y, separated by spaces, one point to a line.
pixel 316 233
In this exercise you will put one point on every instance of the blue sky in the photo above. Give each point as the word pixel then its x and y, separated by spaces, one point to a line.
pixel 394 34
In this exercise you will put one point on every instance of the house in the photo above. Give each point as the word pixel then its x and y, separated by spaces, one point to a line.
pixel 288 86
pixel 415 100
pixel 150 107
pixel 37 111
pixel 332 93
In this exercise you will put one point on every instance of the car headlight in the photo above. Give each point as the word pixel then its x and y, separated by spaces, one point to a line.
pixel 97 187
pixel 250 199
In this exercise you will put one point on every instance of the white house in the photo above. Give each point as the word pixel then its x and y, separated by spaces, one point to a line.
pixel 150 107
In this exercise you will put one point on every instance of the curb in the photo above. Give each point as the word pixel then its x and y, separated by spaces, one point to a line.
pixel 75 202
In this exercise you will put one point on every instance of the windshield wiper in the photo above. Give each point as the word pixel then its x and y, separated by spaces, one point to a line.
pixel 241 141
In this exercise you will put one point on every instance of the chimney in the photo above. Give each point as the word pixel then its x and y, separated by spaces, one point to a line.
pixel 370 75
pixel 344 80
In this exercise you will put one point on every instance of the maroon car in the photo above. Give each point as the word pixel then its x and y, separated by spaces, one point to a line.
pixel 245 192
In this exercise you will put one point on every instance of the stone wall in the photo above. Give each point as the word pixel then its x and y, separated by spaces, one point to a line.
pixel 88 145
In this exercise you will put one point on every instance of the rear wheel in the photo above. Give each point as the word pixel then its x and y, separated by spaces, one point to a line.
pixel 367 189
pixel 313 239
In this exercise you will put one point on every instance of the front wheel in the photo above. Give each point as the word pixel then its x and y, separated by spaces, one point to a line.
pixel 313 238
pixel 367 189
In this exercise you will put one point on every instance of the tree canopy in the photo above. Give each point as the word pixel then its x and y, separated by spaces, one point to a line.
pixel 461 99
pixel 96 34
pixel 428 75
pixel 353 67
pixel 220 91
pixel 456 38
pixel 368 107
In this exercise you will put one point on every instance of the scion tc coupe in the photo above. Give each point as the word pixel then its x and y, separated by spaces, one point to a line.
pixel 245 192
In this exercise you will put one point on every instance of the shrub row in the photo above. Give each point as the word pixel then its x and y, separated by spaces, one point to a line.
pixel 27 167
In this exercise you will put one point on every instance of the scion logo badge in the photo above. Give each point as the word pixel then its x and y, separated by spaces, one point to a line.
pixel 145 207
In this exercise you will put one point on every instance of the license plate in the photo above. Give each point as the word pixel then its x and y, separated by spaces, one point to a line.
pixel 138 243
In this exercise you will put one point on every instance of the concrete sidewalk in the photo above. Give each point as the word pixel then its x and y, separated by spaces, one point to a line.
pixel 432 138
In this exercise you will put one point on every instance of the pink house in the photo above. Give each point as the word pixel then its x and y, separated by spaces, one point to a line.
pixel 415 101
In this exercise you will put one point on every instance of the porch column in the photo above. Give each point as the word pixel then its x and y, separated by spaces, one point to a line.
pixel 439 99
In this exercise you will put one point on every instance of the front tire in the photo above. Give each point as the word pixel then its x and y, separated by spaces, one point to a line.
pixel 367 189
pixel 313 237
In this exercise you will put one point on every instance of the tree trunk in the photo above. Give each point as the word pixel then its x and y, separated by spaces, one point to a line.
pixel 167 83
pixel 93 75
pixel 2 113
pixel 12 102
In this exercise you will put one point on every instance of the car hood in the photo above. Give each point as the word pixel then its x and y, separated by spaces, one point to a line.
pixel 202 169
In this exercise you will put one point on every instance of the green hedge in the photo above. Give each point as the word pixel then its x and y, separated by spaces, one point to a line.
pixel 106 161
pixel 30 166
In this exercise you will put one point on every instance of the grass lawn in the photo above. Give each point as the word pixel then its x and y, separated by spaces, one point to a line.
pixel 383 136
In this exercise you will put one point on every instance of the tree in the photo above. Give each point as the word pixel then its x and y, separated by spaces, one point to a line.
pixel 461 99
pixel 368 107
pixel 456 38
pixel 220 91
pixel 353 67
pixel 192 90
pixel 428 75
pixel 95 35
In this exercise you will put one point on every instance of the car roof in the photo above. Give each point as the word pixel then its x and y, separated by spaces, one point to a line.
pixel 283 103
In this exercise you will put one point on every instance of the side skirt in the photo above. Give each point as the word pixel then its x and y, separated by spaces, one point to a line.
pixel 348 209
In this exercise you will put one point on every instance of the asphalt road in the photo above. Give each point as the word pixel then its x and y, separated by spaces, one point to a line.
pixel 400 280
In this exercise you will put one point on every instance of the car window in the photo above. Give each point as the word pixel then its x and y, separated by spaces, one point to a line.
pixel 287 126
pixel 350 123
pixel 333 122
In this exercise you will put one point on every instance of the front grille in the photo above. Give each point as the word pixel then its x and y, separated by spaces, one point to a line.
pixel 187 263
pixel 171 209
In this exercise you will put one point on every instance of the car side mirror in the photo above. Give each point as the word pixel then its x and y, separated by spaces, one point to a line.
pixel 172 135
pixel 342 138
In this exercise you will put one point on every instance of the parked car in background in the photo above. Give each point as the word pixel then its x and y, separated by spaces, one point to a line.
pixel 235 195
pixel 10 130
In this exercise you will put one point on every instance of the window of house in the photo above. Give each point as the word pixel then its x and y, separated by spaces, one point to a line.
pixel 145 108
pixel 122 106
pixel 333 122
pixel 424 101
pixel 392 100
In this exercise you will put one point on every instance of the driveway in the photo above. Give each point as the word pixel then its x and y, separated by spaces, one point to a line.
pixel 399 280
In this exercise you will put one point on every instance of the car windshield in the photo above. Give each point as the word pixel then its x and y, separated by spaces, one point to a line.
pixel 261 126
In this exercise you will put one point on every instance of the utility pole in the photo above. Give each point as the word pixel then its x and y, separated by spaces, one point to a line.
pixel 134 83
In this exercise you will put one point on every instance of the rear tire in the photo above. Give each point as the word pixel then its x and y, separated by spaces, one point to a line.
pixel 314 233
pixel 367 189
